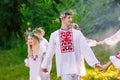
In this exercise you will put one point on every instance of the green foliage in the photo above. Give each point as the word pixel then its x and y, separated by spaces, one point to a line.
pixel 9 19
pixel 12 61
pixel 92 15
pixel 39 14
pixel 12 65
pixel 98 16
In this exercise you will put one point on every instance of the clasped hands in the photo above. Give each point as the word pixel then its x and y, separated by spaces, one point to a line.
pixel 101 67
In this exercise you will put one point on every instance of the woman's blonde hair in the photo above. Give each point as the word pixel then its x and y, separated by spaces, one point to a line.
pixel 33 49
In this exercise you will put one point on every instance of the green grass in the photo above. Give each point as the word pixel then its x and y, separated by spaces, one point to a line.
pixel 12 65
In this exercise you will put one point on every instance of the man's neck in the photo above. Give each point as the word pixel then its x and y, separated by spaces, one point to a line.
pixel 65 27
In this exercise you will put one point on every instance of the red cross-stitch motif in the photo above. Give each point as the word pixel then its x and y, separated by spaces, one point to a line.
pixel 66 41
pixel 117 55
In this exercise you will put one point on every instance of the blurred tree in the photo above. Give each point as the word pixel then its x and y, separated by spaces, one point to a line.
pixel 44 13
pixel 39 14
pixel 9 19
pixel 97 16
pixel 92 15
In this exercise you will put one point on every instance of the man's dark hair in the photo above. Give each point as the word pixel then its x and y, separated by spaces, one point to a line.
pixel 64 14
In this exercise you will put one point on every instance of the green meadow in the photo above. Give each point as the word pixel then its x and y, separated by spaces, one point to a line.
pixel 12 64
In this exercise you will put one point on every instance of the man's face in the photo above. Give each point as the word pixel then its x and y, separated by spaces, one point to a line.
pixel 40 34
pixel 67 20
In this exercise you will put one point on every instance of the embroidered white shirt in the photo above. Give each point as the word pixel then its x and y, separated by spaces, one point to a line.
pixel 69 62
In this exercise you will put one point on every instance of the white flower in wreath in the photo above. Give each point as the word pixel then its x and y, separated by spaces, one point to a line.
pixel 62 15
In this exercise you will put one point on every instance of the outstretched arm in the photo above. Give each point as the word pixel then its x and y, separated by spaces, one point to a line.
pixel 106 66
pixel 111 40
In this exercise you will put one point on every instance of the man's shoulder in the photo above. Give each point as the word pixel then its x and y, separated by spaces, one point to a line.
pixel 55 32
pixel 44 39
pixel 77 31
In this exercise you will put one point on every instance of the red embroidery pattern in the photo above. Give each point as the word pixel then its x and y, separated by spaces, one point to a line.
pixel 66 41
pixel 117 55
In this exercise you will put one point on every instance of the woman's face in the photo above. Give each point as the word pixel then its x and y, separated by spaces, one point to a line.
pixel 30 40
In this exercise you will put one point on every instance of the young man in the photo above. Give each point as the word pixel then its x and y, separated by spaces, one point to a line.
pixel 68 44
pixel 43 47
pixel 91 43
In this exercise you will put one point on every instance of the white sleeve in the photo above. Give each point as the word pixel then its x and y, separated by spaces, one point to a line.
pixel 91 42
pixel 46 43
pixel 87 51
pixel 113 39
pixel 49 54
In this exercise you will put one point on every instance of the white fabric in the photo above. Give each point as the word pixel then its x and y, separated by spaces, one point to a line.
pixel 26 61
pixel 91 42
pixel 115 61
pixel 113 39
pixel 82 67
pixel 70 77
pixel 69 63
pixel 36 72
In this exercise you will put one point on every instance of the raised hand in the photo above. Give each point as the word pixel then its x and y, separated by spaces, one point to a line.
pixel 100 43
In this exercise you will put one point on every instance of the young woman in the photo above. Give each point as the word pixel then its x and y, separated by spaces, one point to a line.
pixel 36 51
pixel 115 60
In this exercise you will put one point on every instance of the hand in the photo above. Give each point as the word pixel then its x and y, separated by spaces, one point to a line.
pixel 103 68
pixel 45 70
pixel 99 66
pixel 106 66
pixel 100 43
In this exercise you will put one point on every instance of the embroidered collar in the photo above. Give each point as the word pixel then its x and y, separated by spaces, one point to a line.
pixel 66 41
pixel 65 29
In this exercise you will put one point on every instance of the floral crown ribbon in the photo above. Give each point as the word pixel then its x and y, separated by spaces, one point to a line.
pixel 63 14
pixel 32 33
